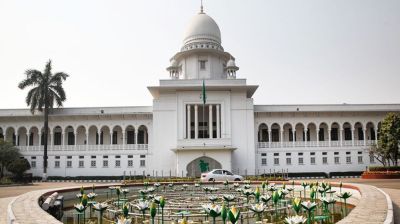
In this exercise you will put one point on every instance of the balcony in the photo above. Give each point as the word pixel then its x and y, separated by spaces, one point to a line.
pixel 85 147
pixel 347 143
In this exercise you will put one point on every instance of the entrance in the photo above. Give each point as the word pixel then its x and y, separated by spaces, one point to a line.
pixel 201 165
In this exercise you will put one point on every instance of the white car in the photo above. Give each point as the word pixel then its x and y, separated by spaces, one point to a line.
pixel 220 175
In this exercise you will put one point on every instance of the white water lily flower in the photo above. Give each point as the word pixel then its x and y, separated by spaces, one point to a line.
pixel 265 198
pixel 258 208
pixel 112 187
pixel 229 197
pixel 185 186
pixel 308 205
pixel 246 186
pixel 123 220
pixel 100 206
pixel 79 195
pixel 329 200
pixel 235 185
pixel 157 184
pixel 91 195
pixel 212 209
pixel 212 198
pixel 289 188
pixel 142 205
pixel 151 189
pixel 79 207
pixel 125 190
pixel 297 219
pixel 212 189
pixel 197 185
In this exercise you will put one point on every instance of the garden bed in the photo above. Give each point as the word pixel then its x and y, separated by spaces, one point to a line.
pixel 381 175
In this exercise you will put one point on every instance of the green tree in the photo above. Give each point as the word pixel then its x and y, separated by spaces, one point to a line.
pixel 8 154
pixel 46 90
pixel 18 167
pixel 389 138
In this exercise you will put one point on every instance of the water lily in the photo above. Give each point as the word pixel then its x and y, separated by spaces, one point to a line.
pixel 266 198
pixel 295 219
pixel 258 209
pixel 344 196
pixel 234 215
pixel 309 206
pixel 123 220
pixel 236 185
pixel 247 193
pixel 100 207
pixel 79 207
pixel 213 210
pixel 91 195
pixel 142 206
pixel 196 185
pixel 228 198
pixel 271 188
pixel 84 200
pixel 304 185
pixel 212 198
pixel 296 205
pixel 157 185
pixel 185 186
pixel 246 186
pixel 214 189
pixel 151 189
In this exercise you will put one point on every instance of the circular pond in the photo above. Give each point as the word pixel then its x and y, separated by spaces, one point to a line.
pixel 245 202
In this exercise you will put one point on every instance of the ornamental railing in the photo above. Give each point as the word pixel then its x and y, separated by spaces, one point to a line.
pixel 300 144
pixel 85 147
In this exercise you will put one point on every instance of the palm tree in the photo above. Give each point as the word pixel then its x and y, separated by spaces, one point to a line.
pixel 46 89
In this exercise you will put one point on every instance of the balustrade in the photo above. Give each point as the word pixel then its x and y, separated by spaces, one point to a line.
pixel 85 147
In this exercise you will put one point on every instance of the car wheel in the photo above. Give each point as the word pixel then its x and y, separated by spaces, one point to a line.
pixel 211 179
pixel 237 179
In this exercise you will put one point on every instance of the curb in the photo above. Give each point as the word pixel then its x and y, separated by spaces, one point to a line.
pixel 10 213
pixel 389 216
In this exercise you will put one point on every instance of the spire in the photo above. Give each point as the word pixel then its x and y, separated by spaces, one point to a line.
pixel 201 7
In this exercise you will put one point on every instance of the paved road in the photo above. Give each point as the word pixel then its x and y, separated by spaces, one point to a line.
pixel 3 209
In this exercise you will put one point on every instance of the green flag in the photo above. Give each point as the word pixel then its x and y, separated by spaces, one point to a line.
pixel 203 93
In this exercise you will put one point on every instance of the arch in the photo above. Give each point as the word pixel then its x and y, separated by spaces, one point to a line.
pixel 80 137
pixel 299 135
pixel 22 136
pixel 93 136
pixel 130 133
pixel 358 131
pixel 275 132
pixel 194 170
pixel 143 136
pixel 263 135
pixel 312 133
pixel 69 135
pixel 117 135
pixel 335 128
pixel 2 134
pixel 347 131
pixel 370 131
pixel 323 134
pixel 33 136
pixel 57 135
pixel 105 137
pixel 49 132
pixel 287 132
pixel 10 135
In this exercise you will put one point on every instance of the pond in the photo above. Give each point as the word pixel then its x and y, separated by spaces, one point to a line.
pixel 198 203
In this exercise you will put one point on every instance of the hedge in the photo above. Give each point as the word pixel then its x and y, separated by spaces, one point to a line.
pixel 382 168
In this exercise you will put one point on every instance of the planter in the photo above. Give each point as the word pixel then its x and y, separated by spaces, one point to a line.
pixel 381 175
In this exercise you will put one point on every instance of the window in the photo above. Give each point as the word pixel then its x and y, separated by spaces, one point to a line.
pixel 301 161
pixel 142 156
pixel 324 153
pixel 142 163
pixel 360 159
pixel 130 137
pixel 263 161
pixel 347 134
pixel 312 160
pixel 336 153
pixel 57 138
pixel 334 134
pixel 348 153
pixel 263 154
pixel 202 65
pixel 33 157
pixel 360 134
pixel 276 161
pixel 217 172
pixel 130 156
pixel 359 152
pixel 71 138
pixel 289 161
pixel 371 159
pixel 290 135
pixel 33 164
pixel 288 154
pixel 276 154
pixel 69 164
pixel 300 153
pixel 93 157
pixel 312 153
pixel 81 157
pixel 105 163
pixel 57 157
pixel 81 164
pixel 117 163
pixel 275 135
pixel 115 138
pixel 93 163
pixel 130 163
pixel 56 164
pixel 117 157
pixel 105 157
pixel 69 157
pixel 325 160
pixel 321 136
pixel 348 159
pixel 337 160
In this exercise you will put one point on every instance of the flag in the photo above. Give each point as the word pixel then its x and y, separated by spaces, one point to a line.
pixel 203 93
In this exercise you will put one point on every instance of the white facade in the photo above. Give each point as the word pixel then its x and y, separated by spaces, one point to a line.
pixel 178 131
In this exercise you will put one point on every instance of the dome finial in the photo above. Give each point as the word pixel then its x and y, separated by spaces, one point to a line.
pixel 201 6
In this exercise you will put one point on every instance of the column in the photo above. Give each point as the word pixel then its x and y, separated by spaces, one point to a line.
pixel 210 121
pixel 188 123
pixel 76 137
pixel 17 139
pixel 87 139
pixel 329 136
pixel 196 122
pixel 111 137
pixel 281 138
pixel 29 138
pixel 98 138
pixel 218 122
pixel 269 138
pixel 352 136
pixel 365 136
pixel 63 138
pixel 40 138
pixel 376 136
pixel 341 137
pixel 136 136
pixel 50 134
pixel 293 138
pixel 317 131
pixel 305 136
pixel 123 137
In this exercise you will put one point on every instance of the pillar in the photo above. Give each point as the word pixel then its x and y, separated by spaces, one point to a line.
pixel 188 123
pixel 218 122
pixel 329 136
pixel 76 137
pixel 341 137
pixel 63 138
pixel 269 137
pixel 365 136
pixel 87 139
pixel 29 138
pixel 196 122
pixel 352 136
pixel 40 138
pixel 281 137
pixel 123 137
pixel 111 137
pixel 317 133
pixel 210 121
pixel 376 136
pixel 17 139
pixel 136 136
pixel 293 138
pixel 305 136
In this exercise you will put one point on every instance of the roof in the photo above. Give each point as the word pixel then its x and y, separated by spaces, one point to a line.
pixel 75 111
pixel 328 108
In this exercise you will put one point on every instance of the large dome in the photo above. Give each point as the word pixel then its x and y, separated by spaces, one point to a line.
pixel 201 29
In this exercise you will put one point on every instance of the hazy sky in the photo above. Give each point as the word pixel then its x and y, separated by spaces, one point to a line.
pixel 298 52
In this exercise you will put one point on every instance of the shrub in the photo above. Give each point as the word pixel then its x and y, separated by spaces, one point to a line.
pixel 382 168
pixel 18 168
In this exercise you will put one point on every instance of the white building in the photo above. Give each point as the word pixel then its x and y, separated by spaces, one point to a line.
pixel 172 136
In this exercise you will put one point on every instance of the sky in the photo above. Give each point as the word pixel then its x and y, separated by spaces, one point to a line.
pixel 298 52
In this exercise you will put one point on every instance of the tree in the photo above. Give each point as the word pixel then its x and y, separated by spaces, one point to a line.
pixel 46 90
pixel 18 167
pixel 387 150
pixel 8 154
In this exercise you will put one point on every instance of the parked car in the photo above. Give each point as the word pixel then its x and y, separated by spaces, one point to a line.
pixel 220 175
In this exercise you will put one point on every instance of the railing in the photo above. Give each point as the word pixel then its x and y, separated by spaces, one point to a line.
pixel 298 144
pixel 85 147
